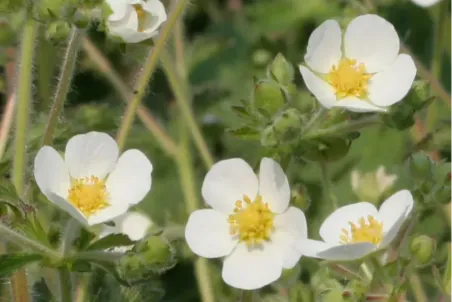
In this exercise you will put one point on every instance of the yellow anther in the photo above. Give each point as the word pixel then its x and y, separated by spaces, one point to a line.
pixel 365 231
pixel 88 194
pixel 348 79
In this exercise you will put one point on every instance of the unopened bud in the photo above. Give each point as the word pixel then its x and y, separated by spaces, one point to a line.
pixel 268 137
pixel 300 197
pixel 422 248
pixel 357 289
pixel 281 70
pixel 288 125
pixel 269 96
pixel 58 31
pixel 420 166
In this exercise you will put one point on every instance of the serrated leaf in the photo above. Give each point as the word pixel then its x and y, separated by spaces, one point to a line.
pixel 241 112
pixel 112 240
pixel 245 133
pixel 12 262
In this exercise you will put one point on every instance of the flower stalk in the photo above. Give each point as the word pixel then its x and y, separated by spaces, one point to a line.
pixel 64 82
pixel 149 67
pixel 65 285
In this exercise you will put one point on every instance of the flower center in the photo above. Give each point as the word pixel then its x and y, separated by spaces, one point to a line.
pixel 88 194
pixel 348 79
pixel 365 231
pixel 142 16
pixel 252 221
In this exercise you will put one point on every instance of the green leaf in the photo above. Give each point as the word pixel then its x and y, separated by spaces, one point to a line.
pixel 245 133
pixel 12 262
pixel 241 112
pixel 9 197
pixel 110 268
pixel 112 240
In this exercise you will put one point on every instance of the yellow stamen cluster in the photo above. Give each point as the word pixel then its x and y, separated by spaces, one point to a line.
pixel 349 79
pixel 141 14
pixel 88 194
pixel 365 231
pixel 252 221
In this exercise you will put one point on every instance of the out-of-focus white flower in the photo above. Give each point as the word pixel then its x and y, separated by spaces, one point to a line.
pixel 250 223
pixel 135 20
pixel 132 224
pixel 356 230
pixel 91 183
pixel 371 186
pixel 361 70
pixel 425 3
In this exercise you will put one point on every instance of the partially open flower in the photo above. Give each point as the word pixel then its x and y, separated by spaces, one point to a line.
pixel 371 186
pixel 356 230
pixel 361 70
pixel 91 183
pixel 250 223
pixel 135 20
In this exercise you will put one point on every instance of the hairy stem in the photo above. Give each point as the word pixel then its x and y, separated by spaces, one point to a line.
pixel 65 285
pixel 64 82
pixel 149 68
pixel 103 65
pixel 179 88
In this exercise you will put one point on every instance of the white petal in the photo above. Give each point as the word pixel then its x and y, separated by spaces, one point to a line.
pixel 357 105
pixel 252 268
pixel 273 185
pixel 324 47
pixel 373 41
pixel 393 212
pixel 68 208
pixel 322 91
pixel 131 180
pixel 127 28
pixel 207 234
pixel 91 154
pixel 425 3
pixel 392 84
pixel 345 252
pixel 331 229
pixel 51 174
pixel 226 182
pixel 157 10
pixel 119 9
pixel 134 225
pixel 107 214
pixel 290 229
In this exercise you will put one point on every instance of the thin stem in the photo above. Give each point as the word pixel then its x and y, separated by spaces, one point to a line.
pixel 326 181
pixel 65 285
pixel 247 296
pixel 103 65
pixel 344 127
pixel 179 88
pixel 441 26
pixel 321 112
pixel 71 232
pixel 417 287
pixel 149 67
pixel 23 93
pixel 97 255
pixel 187 177
pixel 64 82
pixel 25 242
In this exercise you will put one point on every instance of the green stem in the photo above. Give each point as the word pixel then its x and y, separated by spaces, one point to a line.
pixel 247 296
pixel 417 287
pixel 97 255
pixel 179 88
pixel 103 65
pixel 187 177
pixel 23 93
pixel 71 232
pixel 321 112
pixel 65 285
pixel 64 82
pixel 27 243
pixel 326 181
pixel 344 127
pixel 367 272
pixel 149 67
pixel 441 26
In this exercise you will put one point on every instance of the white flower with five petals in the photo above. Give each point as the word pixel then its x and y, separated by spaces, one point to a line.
pixel 361 70
pixel 250 223
pixel 135 20
pixel 356 230
pixel 91 183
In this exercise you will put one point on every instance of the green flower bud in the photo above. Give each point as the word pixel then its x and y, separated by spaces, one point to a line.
pixel 269 96
pixel 300 197
pixel 288 125
pixel 358 289
pixel 419 94
pixel 268 137
pixel 81 19
pixel 261 57
pixel 420 166
pixel 281 70
pixel 422 248
pixel 58 31
pixel 48 10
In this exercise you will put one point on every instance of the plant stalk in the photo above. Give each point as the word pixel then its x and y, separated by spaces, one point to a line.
pixel 326 181
pixel 64 83
pixel 149 67
pixel 65 285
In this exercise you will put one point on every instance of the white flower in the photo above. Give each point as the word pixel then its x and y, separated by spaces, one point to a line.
pixel 425 3
pixel 356 230
pixel 132 224
pixel 91 183
pixel 365 72
pixel 135 20
pixel 250 223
